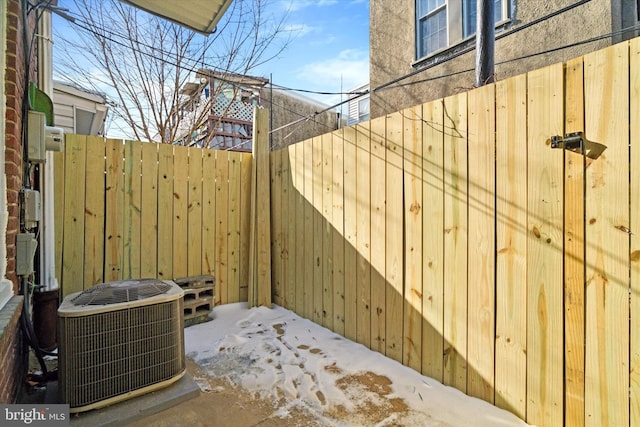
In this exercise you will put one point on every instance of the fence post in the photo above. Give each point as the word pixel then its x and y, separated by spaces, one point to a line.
pixel 260 234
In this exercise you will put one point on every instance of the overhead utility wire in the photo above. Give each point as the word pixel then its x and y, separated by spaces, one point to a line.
pixel 358 94
pixel 173 58
pixel 396 82
pixel 82 23
pixel 472 47
pixel 531 55
pixel 193 69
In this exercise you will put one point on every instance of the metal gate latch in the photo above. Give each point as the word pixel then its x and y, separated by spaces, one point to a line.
pixel 577 143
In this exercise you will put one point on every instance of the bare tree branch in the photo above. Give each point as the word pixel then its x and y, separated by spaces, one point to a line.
pixel 142 62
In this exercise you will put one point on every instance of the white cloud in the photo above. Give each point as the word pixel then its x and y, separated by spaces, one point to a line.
pixel 293 5
pixel 349 69
pixel 299 30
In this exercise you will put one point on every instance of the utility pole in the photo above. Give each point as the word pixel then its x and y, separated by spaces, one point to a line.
pixel 485 41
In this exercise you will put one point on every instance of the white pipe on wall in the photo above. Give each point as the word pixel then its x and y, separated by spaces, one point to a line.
pixel 47 235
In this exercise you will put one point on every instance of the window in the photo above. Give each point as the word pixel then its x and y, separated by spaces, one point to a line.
pixel 432 26
pixel 364 113
pixel 469 11
pixel 84 121
pixel 443 23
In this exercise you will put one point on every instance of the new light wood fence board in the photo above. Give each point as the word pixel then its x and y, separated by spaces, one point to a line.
pixel 511 245
pixel 245 224
pixel 149 213
pixel 114 214
pixel 481 252
pixel 318 231
pixel 394 297
pixel 180 211
pixel 253 235
pixel 222 225
pixel 165 211
pixel 350 215
pixel 413 211
pixel 58 188
pixel 455 241
pixel 194 212
pixel 209 211
pixel 338 234
pixel 289 220
pixel 282 222
pixel 574 249
pixel 363 234
pixel 544 251
pixel 298 154
pixel 233 248
pixel 308 230
pixel 263 196
pixel 378 229
pixel 132 208
pixel 277 227
pixel 74 214
pixel 635 237
pixel 606 83
pixel 433 240
pixel 94 231
pixel 327 241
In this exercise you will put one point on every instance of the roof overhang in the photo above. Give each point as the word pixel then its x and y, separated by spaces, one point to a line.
pixel 199 15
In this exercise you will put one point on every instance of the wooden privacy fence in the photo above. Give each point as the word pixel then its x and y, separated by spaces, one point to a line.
pixel 132 209
pixel 452 237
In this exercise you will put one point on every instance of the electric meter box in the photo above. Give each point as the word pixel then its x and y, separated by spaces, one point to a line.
pixel 26 245
pixel 42 138
pixel 32 213
pixel 53 138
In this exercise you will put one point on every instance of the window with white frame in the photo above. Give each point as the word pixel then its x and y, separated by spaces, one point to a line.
pixel 364 111
pixel 444 23
pixel 431 26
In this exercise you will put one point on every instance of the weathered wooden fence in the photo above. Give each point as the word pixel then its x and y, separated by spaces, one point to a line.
pixel 452 237
pixel 132 209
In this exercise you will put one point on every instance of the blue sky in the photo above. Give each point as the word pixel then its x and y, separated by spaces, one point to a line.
pixel 329 51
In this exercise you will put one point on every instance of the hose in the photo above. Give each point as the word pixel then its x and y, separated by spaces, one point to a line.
pixel 29 332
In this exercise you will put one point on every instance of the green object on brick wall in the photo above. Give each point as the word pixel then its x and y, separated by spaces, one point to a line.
pixel 41 102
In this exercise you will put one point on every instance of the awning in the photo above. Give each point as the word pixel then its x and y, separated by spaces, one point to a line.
pixel 199 15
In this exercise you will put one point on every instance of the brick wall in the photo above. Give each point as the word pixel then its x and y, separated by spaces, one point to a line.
pixel 13 353
pixel 14 89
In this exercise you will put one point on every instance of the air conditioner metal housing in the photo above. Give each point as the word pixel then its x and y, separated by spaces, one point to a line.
pixel 119 340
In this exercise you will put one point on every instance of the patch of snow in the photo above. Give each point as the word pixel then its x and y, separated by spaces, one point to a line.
pixel 275 353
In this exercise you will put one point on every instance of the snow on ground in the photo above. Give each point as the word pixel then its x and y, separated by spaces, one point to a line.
pixel 276 354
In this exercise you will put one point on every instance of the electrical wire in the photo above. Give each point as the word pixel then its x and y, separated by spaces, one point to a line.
pixel 396 82
pixel 164 55
pixel 391 83
pixel 26 289
pixel 169 58
pixel 101 30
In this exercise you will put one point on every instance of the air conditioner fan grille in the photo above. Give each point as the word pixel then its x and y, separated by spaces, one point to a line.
pixel 121 291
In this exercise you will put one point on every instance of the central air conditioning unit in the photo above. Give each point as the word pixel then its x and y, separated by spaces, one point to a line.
pixel 119 340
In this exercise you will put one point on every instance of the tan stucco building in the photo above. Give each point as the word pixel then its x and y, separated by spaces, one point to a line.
pixel 435 39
